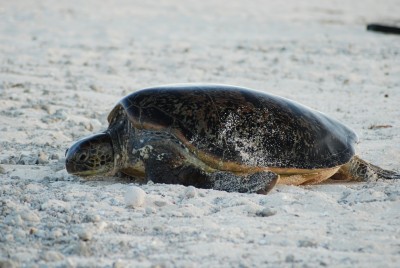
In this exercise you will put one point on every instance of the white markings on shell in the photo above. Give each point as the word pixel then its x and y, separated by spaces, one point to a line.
pixel 248 148
pixel 160 156
pixel 144 152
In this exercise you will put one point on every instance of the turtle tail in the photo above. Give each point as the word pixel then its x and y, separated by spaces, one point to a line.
pixel 359 170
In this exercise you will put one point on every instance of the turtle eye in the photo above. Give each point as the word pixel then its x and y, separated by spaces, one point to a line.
pixel 83 157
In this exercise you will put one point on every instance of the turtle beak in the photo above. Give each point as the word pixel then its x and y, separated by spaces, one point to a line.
pixel 70 164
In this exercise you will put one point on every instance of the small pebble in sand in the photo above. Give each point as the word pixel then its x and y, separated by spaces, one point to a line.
pixel 42 158
pixel 27 160
pixel 190 192
pixel 96 88
pixel 2 170
pixel 55 157
pixel 119 264
pixel 29 216
pixel 290 258
pixel 85 234
pixel 52 256
pixel 8 263
pixel 150 210
pixel 134 196
pixel 266 212
pixel 159 203
pixel 307 244
pixel 56 234
pixel 92 218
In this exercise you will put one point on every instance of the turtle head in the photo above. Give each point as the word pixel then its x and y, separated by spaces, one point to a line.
pixel 89 156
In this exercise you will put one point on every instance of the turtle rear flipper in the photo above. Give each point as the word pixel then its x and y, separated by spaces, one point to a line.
pixel 360 170
pixel 260 182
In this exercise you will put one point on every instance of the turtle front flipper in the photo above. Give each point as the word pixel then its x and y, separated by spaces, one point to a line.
pixel 260 182
pixel 360 170
pixel 167 163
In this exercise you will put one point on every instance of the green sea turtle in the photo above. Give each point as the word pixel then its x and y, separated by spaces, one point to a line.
pixel 221 137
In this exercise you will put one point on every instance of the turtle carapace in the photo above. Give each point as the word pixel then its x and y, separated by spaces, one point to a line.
pixel 221 137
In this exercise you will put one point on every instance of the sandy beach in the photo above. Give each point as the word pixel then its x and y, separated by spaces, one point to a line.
pixel 65 64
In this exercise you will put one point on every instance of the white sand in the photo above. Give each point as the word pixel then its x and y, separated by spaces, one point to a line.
pixel 63 65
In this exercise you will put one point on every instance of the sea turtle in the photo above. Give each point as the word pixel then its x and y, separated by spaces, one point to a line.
pixel 221 137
